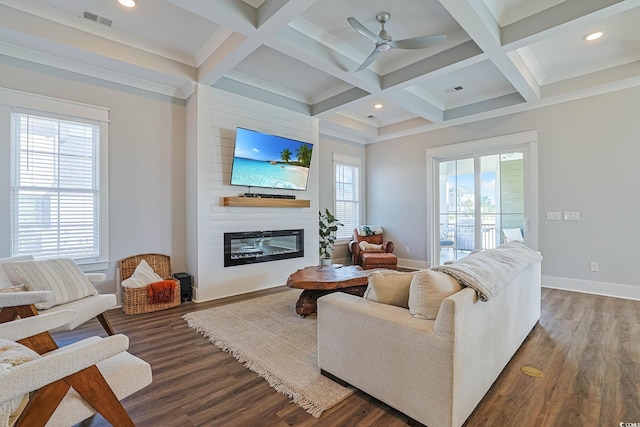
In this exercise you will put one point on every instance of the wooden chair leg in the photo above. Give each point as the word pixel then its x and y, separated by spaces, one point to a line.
pixel 102 318
pixel 43 404
pixel 93 388
pixel 41 343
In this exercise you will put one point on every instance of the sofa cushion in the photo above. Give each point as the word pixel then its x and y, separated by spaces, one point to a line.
pixel 428 289
pixel 62 276
pixel 13 354
pixel 389 287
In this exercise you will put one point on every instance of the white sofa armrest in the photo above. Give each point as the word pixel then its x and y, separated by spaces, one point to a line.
pixel 30 326
pixel 37 373
pixel 12 299
pixel 386 352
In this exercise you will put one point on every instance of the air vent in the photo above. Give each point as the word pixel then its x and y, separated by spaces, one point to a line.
pixel 454 89
pixel 97 18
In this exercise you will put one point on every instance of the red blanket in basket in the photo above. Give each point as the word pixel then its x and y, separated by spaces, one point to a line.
pixel 161 292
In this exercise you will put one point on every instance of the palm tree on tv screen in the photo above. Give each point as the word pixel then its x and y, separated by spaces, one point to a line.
pixel 303 153
pixel 286 155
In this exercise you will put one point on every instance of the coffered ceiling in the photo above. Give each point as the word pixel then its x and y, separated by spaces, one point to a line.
pixel 499 57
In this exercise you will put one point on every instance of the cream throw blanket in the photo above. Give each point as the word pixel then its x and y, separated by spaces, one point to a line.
pixel 488 271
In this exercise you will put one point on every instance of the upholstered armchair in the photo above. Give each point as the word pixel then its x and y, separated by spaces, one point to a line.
pixel 370 250
pixel 73 290
pixel 42 384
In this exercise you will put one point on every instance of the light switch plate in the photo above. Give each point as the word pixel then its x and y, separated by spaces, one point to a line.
pixel 554 216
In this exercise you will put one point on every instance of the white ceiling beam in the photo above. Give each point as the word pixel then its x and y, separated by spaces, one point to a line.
pixel 479 23
pixel 416 105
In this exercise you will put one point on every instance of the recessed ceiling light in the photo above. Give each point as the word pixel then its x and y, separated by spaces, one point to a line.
pixel 377 106
pixel 593 36
pixel 128 3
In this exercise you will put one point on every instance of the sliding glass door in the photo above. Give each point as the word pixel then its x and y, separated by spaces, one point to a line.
pixel 480 200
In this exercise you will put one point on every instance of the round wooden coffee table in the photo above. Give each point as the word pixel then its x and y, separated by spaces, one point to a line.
pixel 325 279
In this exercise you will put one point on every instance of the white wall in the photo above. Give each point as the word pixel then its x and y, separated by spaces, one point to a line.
pixel 218 114
pixel 328 147
pixel 146 160
pixel 588 155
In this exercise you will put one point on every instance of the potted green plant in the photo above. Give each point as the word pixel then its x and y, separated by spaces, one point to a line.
pixel 328 227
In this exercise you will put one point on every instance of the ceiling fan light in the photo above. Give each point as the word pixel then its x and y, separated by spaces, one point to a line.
pixel 383 46
pixel 128 3
pixel 593 36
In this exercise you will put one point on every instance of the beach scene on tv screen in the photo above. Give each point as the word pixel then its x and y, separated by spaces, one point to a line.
pixel 262 160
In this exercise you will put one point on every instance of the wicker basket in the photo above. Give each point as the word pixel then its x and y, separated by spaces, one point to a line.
pixel 136 300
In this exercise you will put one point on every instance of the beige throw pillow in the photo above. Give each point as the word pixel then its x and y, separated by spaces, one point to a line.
pixel 428 289
pixel 61 276
pixel 389 287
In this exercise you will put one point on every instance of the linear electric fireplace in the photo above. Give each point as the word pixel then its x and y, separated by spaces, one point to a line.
pixel 261 246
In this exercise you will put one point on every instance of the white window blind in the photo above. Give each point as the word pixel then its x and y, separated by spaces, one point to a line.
pixel 347 194
pixel 55 188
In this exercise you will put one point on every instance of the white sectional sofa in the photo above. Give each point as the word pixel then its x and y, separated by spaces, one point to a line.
pixel 435 371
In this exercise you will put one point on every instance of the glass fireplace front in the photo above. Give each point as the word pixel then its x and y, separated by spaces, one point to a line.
pixel 261 246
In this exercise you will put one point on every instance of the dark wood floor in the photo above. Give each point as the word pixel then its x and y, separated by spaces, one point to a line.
pixel 587 346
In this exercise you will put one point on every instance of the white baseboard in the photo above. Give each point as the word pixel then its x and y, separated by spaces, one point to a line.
pixel 412 263
pixel 616 290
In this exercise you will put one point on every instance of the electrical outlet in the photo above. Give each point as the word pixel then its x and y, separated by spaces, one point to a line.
pixel 594 266
pixel 572 216
pixel 407 249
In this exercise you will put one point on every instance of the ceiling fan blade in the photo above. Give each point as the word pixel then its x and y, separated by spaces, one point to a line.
pixel 418 42
pixel 362 29
pixel 369 59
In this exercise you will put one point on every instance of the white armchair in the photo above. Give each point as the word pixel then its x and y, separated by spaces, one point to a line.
pixel 69 384
pixel 85 308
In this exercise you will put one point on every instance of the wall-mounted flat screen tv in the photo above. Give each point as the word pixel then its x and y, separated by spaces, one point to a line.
pixel 269 161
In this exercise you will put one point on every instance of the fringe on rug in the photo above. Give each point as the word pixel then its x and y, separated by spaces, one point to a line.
pixel 312 408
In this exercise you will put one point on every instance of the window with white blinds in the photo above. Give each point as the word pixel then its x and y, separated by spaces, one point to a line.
pixel 55 188
pixel 347 194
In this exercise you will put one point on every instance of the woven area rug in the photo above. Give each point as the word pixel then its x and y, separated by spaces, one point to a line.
pixel 269 338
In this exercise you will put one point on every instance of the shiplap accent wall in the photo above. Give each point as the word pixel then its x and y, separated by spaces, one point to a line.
pixel 218 115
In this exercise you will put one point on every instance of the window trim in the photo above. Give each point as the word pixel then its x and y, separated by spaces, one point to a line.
pixel 12 101
pixel 346 159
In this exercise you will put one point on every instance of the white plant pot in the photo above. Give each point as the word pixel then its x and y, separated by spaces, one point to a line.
pixel 326 261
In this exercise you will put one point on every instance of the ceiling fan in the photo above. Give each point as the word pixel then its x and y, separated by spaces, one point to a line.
pixel 384 42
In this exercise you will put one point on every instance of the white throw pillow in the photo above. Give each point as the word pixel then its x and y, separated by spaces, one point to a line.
pixel 145 273
pixel 389 287
pixel 62 276
pixel 366 246
pixel 428 289
pixel 8 277
pixel 133 282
